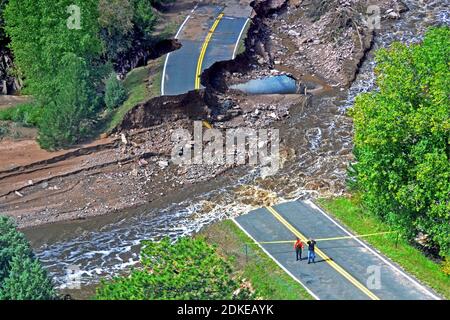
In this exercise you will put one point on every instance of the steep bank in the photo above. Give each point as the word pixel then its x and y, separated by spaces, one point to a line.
pixel 9 83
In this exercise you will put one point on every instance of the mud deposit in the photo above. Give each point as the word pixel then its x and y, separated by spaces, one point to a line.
pixel 316 135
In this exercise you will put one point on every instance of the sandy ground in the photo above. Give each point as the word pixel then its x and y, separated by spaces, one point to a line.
pixel 11 101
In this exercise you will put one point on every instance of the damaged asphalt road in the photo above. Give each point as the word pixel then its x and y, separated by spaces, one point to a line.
pixel 210 33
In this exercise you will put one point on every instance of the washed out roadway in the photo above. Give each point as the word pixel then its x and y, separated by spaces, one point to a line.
pixel 180 70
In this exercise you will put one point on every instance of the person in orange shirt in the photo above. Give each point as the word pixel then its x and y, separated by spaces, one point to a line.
pixel 298 246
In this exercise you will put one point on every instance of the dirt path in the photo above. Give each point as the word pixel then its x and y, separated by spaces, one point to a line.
pixel 7 101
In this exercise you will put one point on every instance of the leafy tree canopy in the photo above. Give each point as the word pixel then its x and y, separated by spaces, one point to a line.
pixel 21 275
pixel 40 38
pixel 402 139
pixel 63 121
pixel 188 269
pixel 125 24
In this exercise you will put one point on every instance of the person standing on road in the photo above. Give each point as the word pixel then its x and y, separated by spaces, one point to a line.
pixel 298 246
pixel 311 254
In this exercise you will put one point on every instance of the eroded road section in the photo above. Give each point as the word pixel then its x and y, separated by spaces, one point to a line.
pixel 210 33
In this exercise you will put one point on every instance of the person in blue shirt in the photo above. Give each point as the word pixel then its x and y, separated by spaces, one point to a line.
pixel 311 253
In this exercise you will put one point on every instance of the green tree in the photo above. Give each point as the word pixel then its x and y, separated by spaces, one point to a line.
pixel 2 23
pixel 12 243
pixel 125 25
pixel 115 92
pixel 402 139
pixel 188 269
pixel 27 280
pixel 21 275
pixel 116 22
pixel 64 119
pixel 60 63
pixel 40 38
pixel 144 18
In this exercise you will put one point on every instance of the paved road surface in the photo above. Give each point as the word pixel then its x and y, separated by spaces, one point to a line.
pixel 345 268
pixel 209 34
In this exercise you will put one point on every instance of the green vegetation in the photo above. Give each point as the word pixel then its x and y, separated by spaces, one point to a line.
pixel 352 214
pixel 241 46
pixel 21 275
pixel 115 92
pixel 446 266
pixel 141 84
pixel 41 40
pixel 24 114
pixel 55 47
pixel 187 269
pixel 402 140
pixel 136 85
pixel 61 65
pixel 267 279
pixel 125 24
pixel 65 119
pixel 155 87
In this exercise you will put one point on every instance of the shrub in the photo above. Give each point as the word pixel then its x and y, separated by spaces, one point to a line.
pixel 115 92
pixel 188 269
pixel 21 275
pixel 446 266
pixel 25 114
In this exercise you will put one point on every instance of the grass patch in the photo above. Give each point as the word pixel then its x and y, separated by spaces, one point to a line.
pixel 156 67
pixel 142 84
pixel 136 85
pixel 241 45
pixel 350 213
pixel 25 114
pixel 267 278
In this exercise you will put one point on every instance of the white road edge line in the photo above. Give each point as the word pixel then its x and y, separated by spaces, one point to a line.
pixel 239 38
pixel 424 289
pixel 275 260
pixel 168 55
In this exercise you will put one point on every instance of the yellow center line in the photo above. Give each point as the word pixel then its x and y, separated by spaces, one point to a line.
pixel 203 51
pixel 335 238
pixel 333 264
pixel 206 124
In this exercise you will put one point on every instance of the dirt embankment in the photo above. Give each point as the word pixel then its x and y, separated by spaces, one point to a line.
pixel 138 55
pixel 166 109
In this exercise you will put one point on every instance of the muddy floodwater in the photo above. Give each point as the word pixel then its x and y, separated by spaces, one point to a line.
pixel 282 84
pixel 317 147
